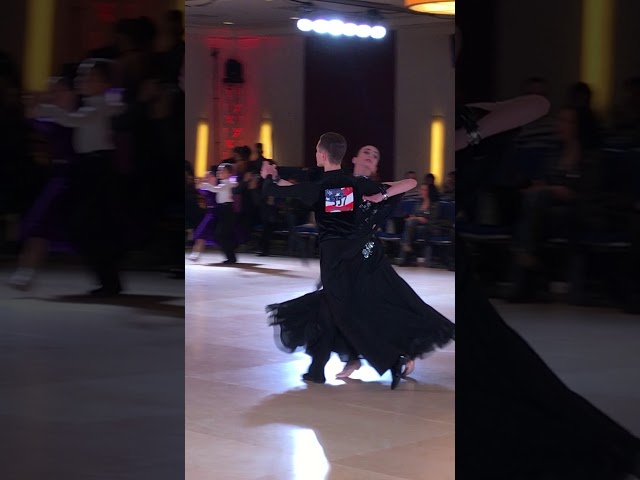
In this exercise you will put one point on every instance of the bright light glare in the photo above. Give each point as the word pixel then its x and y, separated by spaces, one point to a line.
pixel 350 29
pixel 363 31
pixel 378 32
pixel 320 26
pixel 336 27
pixel 305 24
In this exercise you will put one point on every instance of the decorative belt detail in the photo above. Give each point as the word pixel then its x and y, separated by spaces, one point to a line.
pixel 368 248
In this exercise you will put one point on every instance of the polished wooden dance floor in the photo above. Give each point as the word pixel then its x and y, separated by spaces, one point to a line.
pixel 249 416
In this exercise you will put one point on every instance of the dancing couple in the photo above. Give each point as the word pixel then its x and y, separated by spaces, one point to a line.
pixel 364 309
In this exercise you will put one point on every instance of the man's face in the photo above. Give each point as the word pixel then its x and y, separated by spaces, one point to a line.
pixel 366 162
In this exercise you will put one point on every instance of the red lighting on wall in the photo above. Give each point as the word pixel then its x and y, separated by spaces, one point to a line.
pixel 236 105
pixel 233 106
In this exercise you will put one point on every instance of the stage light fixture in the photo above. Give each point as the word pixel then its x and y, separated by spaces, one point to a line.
pixel 305 24
pixel 320 26
pixel 378 32
pixel 363 31
pixel 337 27
pixel 350 29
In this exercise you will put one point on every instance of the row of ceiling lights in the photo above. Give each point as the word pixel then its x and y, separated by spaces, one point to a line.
pixel 338 28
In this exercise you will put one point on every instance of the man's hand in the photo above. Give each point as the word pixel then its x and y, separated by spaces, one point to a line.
pixel 377 198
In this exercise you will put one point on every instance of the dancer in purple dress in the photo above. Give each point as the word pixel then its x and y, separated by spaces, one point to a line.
pixel 203 235
pixel 45 228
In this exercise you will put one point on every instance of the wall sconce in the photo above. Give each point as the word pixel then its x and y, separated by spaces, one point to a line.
pixel 266 138
pixel 38 43
pixel 436 164
pixel 202 149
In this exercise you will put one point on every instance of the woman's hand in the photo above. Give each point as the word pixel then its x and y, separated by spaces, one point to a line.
pixel 268 169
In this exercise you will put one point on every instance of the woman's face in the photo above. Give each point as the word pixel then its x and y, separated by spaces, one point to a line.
pixel 424 191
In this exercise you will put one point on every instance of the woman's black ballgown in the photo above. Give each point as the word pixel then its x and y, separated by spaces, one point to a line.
pixel 515 418
pixel 372 292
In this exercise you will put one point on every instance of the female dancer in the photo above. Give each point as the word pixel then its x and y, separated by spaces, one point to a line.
pixel 206 228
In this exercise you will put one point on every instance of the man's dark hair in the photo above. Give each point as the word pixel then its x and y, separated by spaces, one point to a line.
pixel 335 145
pixel 245 151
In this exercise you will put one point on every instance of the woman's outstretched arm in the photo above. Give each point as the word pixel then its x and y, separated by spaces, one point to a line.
pixel 504 116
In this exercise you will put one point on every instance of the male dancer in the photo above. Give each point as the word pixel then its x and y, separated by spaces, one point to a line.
pixel 98 216
pixel 223 186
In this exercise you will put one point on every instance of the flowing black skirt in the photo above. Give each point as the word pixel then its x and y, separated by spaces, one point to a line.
pixel 382 317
